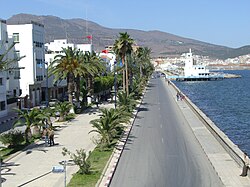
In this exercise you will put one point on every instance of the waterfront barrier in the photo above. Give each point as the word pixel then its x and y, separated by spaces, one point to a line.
pixel 232 149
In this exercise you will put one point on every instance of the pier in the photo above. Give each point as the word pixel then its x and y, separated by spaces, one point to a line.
pixel 199 78
pixel 230 76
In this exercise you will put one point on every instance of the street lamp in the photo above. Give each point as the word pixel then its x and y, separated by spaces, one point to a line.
pixel 115 82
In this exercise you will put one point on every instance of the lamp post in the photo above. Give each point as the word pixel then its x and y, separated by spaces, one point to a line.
pixel 115 82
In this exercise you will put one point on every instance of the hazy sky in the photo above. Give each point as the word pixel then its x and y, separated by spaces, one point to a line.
pixel 222 22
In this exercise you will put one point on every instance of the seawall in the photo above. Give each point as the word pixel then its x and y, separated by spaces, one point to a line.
pixel 232 149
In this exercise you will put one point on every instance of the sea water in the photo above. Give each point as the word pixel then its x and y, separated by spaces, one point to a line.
pixel 226 103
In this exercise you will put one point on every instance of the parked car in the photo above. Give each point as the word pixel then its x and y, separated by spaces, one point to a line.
pixel 43 105
pixel 52 102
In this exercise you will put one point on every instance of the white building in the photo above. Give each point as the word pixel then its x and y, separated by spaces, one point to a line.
pixel 3 40
pixel 10 74
pixel 29 39
pixel 57 90
pixel 109 58
pixel 85 47
pixel 191 69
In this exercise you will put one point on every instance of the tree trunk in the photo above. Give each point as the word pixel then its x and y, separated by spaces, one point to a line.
pixel 90 86
pixel 124 76
pixel 70 87
pixel 126 68
pixel 140 71
pixel 77 89
pixel 61 118
pixel 36 131
pixel 28 135
pixel 130 78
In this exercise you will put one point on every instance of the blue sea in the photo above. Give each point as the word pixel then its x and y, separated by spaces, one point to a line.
pixel 226 103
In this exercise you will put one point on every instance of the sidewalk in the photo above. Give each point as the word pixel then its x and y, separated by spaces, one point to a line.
pixel 33 166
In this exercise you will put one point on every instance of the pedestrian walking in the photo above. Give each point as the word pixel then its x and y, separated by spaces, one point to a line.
pixel 51 137
pixel 45 135
pixel 178 96
pixel 182 97
pixel 245 166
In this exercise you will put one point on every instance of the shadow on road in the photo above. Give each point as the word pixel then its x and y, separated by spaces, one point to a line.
pixel 142 109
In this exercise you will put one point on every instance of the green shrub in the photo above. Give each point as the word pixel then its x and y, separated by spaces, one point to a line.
pixel 70 116
pixel 12 138
pixel 80 159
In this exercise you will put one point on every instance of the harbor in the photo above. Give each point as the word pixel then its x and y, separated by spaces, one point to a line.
pixel 195 71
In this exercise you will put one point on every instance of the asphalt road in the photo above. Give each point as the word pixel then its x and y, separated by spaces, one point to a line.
pixel 162 150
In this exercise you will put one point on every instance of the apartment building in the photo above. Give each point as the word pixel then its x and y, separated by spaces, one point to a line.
pixel 29 42
pixel 3 40
pixel 58 89
pixel 9 79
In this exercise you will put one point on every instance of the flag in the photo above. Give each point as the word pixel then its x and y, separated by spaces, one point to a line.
pixel 89 37
pixel 105 51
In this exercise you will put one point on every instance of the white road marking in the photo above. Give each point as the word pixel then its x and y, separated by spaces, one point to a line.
pixel 162 140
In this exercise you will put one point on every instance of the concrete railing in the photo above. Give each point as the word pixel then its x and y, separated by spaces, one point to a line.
pixel 232 149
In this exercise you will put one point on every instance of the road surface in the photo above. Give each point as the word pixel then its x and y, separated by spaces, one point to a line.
pixel 161 150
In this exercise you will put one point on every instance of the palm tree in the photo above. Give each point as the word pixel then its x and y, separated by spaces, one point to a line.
pixel 29 119
pixel 109 124
pixel 67 66
pixel 122 47
pixel 137 87
pixel 126 102
pixel 63 108
pixel 45 115
pixel 142 58
pixel 96 65
pixel 5 63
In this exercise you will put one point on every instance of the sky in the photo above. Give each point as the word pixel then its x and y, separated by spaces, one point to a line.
pixel 221 22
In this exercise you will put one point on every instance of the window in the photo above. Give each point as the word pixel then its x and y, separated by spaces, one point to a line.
pixel 17 74
pixel 39 63
pixel 2 105
pixel 17 53
pixel 16 37
pixel 1 81
pixel 39 78
pixel 38 44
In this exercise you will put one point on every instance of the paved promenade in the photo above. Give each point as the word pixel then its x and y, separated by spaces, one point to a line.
pixel 33 166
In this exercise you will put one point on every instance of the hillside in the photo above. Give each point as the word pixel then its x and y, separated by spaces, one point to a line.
pixel 161 43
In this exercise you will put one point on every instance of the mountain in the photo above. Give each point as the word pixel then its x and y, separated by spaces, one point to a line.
pixel 162 44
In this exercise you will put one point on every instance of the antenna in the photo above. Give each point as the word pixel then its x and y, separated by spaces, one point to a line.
pixel 65 30
pixel 86 21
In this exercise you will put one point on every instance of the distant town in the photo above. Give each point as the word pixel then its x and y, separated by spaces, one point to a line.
pixel 241 62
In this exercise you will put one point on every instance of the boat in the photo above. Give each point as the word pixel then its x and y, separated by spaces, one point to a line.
pixel 194 72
